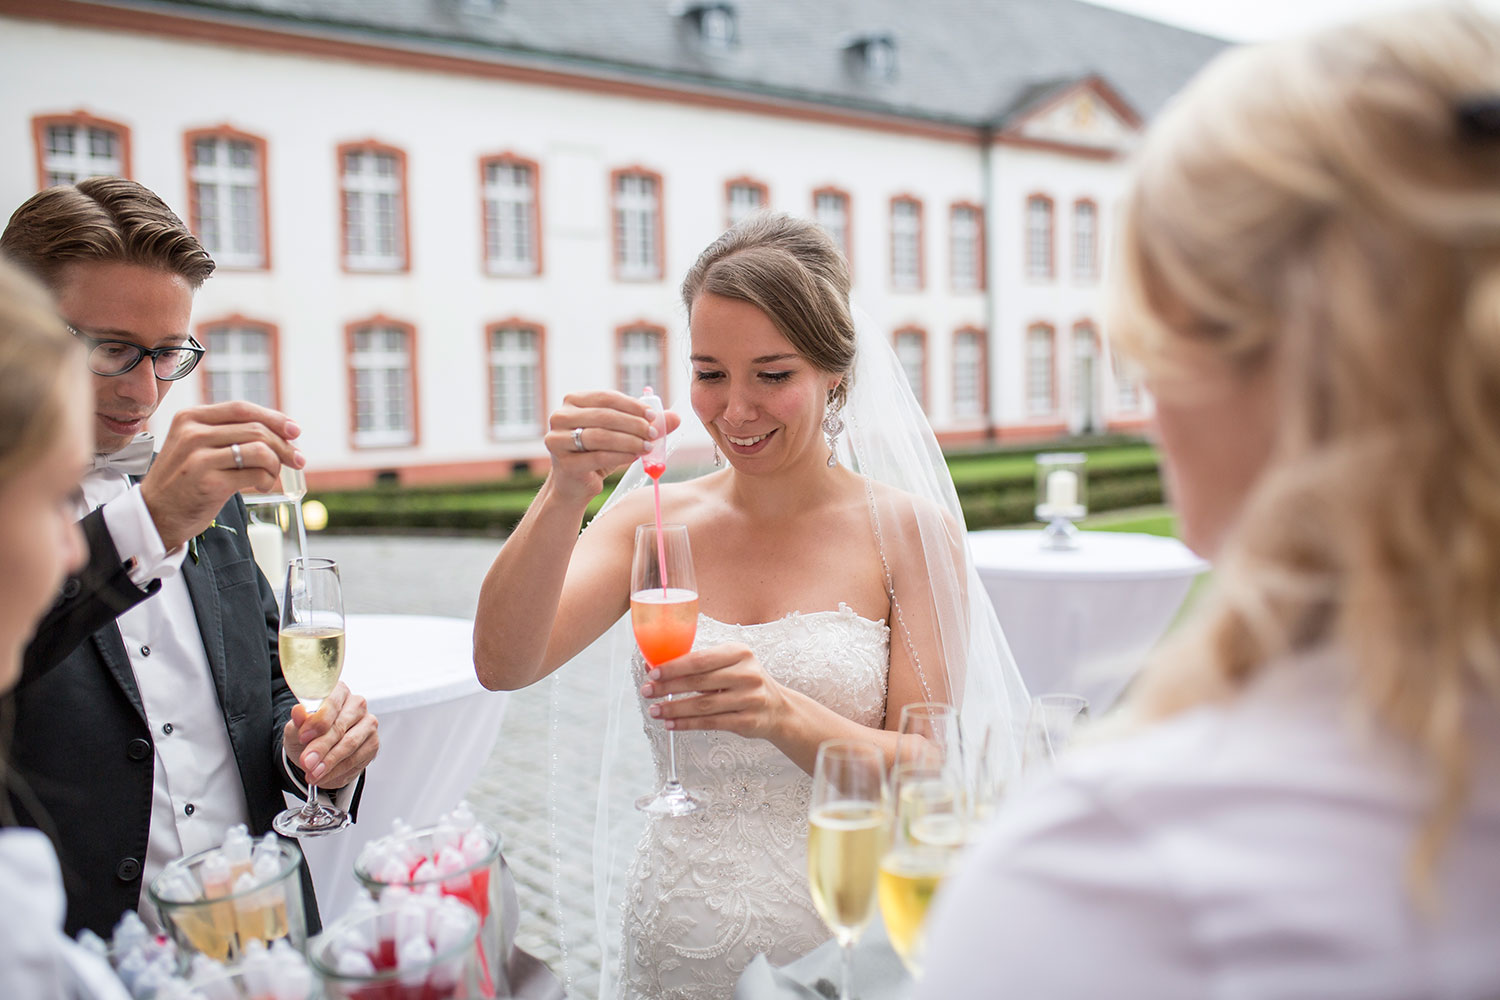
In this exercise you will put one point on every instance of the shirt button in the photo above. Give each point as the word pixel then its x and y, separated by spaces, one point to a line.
pixel 71 588
pixel 138 749
pixel 128 870
pixel 189 809
pixel 145 650
pixel 167 729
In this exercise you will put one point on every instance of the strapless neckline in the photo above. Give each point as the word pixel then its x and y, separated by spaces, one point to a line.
pixel 842 611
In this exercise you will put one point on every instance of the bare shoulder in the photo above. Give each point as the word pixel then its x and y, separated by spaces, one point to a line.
pixel 680 503
pixel 908 518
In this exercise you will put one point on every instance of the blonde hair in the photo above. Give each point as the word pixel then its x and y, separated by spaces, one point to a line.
pixel 36 353
pixel 1317 211
pixel 791 270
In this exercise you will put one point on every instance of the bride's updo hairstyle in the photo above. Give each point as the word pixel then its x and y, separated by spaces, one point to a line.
pixel 36 356
pixel 791 270
pixel 1327 211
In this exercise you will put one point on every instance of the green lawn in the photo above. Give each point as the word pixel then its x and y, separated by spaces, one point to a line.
pixel 1142 520
pixel 988 467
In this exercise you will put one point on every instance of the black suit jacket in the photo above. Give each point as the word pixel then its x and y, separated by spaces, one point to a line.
pixel 83 752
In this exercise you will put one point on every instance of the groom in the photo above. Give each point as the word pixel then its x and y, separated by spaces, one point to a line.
pixel 151 713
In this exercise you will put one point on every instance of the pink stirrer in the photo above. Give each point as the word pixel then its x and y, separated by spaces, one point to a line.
pixel 655 464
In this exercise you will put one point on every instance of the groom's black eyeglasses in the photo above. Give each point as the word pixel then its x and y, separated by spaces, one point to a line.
pixel 116 357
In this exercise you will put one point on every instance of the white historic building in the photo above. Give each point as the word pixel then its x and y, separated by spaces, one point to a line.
pixel 433 218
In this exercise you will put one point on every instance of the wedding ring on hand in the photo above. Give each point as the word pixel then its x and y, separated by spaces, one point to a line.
pixel 578 439
pixel 239 458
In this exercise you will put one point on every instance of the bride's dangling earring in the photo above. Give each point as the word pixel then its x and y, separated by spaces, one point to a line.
pixel 718 458
pixel 833 426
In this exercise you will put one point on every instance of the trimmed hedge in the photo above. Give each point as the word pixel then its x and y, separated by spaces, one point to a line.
pixel 995 488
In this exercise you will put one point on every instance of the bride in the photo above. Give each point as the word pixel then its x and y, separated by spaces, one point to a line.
pixel 835 587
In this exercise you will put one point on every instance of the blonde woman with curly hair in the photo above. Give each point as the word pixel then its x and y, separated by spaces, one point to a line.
pixel 1305 797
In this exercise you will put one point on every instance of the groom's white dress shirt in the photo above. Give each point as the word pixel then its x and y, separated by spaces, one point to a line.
pixel 196 792
pixel 1257 849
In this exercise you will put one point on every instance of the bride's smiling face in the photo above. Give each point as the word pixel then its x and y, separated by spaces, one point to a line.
pixel 761 401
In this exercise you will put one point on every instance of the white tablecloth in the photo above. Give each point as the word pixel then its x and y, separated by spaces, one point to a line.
pixel 437 728
pixel 1081 620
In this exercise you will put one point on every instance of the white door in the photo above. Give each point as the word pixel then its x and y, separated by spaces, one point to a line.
pixel 1083 414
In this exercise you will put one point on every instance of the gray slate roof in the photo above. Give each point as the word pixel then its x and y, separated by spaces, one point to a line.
pixel 966 62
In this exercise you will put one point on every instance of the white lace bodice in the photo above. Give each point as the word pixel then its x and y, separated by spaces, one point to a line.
pixel 709 892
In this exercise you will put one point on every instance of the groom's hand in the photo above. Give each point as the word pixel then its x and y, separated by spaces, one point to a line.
pixel 730 692
pixel 335 743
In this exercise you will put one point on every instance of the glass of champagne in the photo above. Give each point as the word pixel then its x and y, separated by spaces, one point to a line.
pixel 930 734
pixel 926 839
pixel 846 837
pixel 664 616
pixel 312 657
pixel 1050 727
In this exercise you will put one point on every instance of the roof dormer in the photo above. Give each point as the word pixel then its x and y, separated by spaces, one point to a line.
pixel 712 23
pixel 871 55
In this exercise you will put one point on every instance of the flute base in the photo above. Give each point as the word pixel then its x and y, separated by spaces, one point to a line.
pixel 312 820
pixel 672 800
pixel 1060 534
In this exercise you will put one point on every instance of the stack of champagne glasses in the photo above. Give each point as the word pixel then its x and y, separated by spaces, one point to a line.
pixel 896 841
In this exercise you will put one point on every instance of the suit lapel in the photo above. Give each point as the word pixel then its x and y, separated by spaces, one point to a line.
pixel 111 647
pixel 204 592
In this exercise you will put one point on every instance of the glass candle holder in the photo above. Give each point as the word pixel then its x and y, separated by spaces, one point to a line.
pixel 478 884
pixel 367 955
pixel 221 924
pixel 1061 496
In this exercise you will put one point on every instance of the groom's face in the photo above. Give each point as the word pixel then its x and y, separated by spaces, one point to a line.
pixel 112 300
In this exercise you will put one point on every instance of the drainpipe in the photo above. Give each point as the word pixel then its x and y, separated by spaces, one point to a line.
pixel 991 286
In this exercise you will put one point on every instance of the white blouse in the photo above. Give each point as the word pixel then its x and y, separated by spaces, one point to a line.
pixel 1253 849
pixel 37 960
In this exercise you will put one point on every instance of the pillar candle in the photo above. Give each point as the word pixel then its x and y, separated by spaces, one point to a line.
pixel 266 543
pixel 1062 488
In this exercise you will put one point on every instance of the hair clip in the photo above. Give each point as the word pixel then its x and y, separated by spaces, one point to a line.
pixel 1479 117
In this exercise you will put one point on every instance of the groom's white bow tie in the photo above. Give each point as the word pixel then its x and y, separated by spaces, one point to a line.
pixel 132 460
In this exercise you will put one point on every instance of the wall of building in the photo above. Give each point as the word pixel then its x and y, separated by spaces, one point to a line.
pixel 445 122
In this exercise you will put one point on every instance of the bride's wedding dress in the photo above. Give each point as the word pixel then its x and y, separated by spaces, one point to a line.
pixel 708 892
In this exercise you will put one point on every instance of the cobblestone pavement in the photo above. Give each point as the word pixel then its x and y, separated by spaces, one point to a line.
pixel 441 576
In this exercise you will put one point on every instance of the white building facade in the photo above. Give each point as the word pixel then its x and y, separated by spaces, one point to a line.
pixel 422 249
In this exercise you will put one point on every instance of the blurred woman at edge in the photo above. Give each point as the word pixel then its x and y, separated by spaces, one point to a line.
pixel 1306 801
pixel 44 448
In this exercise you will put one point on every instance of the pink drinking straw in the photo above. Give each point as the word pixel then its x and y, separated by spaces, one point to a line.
pixel 655 464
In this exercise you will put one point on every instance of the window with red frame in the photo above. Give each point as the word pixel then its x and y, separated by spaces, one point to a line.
pixel 831 210
pixel 911 351
pixel 906 244
pixel 745 198
pixel 383 406
pixel 374 189
pixel 515 378
pixel 637 226
pixel 241 363
pixel 968 375
pixel 510 217
pixel 1041 390
pixel 227 175
pixel 640 360
pixel 1039 238
pixel 76 150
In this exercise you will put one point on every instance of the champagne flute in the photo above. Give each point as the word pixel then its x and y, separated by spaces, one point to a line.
pixel 312 657
pixel 664 616
pixel 929 733
pixel 926 839
pixel 846 836
pixel 1050 727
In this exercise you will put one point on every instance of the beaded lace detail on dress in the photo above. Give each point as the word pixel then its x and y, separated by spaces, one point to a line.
pixel 708 892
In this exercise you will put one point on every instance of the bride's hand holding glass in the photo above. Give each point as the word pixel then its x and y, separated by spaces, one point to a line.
pixel 594 434
pixel 730 692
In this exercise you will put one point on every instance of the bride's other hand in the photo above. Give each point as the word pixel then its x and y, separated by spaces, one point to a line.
pixel 730 689
pixel 612 430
